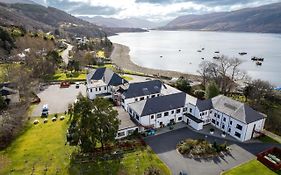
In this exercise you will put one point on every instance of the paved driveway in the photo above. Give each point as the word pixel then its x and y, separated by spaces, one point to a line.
pixel 164 145
pixel 57 98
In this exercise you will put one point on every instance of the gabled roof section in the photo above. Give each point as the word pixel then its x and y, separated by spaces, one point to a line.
pixel 236 110
pixel 4 91
pixel 204 105
pixel 143 88
pixel 107 76
pixel 159 104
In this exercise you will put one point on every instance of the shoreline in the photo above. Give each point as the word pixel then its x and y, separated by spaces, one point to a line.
pixel 120 57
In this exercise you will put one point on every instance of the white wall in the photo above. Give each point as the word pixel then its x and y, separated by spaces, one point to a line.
pixel 149 120
pixel 135 99
pixel 125 132
pixel 93 91
pixel 193 124
pixel 257 125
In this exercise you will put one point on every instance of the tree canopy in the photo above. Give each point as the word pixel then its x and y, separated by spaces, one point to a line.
pixel 212 90
pixel 183 85
pixel 93 122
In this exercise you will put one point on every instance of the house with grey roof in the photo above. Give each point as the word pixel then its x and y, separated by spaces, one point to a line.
pixel 103 82
pixel 141 91
pixel 9 93
pixel 159 111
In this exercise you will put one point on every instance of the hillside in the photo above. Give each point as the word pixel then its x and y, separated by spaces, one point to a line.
pixel 35 17
pixel 121 23
pixel 265 19
pixel 18 1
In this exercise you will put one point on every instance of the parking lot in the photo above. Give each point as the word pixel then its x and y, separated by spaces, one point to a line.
pixel 164 145
pixel 57 98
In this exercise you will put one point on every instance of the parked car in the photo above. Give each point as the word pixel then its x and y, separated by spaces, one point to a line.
pixel 77 85
pixel 45 111
pixel 182 173
pixel 150 132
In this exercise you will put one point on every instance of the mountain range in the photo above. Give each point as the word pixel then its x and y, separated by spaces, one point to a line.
pixel 36 17
pixel 122 23
pixel 266 19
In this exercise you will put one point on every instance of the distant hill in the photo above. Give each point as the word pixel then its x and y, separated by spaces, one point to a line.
pixel 35 17
pixel 18 1
pixel 265 19
pixel 121 23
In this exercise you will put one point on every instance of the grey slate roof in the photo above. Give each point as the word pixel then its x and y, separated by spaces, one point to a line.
pixel 107 75
pixel 159 104
pixel 204 105
pixel 4 91
pixel 236 110
pixel 143 88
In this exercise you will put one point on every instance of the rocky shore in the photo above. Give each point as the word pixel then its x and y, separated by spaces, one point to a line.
pixel 120 56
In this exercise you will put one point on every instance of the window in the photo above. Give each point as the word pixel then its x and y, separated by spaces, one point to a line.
pixel 158 95
pixel 229 129
pixel 105 88
pixel 152 96
pixel 99 89
pixel 190 110
pixel 224 119
pixel 130 111
pixel 152 117
pixel 215 114
pixel 91 90
pixel 172 112
pixel 217 123
pixel 180 119
pixel 218 116
pixel 166 113
pixel 211 111
pixel 237 134
pixel 214 121
pixel 142 98
pixel 159 115
pixel 200 114
pixel 147 96
pixel 137 117
pixel 222 126
pixel 123 100
pixel 178 111
pixel 184 109
pixel 136 99
pixel 131 131
pixel 120 134
pixel 230 122
pixel 239 127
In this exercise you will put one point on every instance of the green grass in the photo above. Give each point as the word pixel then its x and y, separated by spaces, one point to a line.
pixel 62 76
pixel 266 139
pixel 133 163
pixel 253 167
pixel 43 145
pixel 128 78
pixel 40 146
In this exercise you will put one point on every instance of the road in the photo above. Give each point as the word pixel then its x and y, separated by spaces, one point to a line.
pixel 65 53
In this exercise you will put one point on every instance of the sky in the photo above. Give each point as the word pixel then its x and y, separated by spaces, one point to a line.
pixel 154 10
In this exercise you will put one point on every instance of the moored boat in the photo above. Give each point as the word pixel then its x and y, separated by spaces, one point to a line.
pixel 242 53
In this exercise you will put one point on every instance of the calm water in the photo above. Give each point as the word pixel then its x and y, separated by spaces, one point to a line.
pixel 146 49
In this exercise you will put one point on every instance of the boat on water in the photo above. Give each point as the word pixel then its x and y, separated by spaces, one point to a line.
pixel 257 59
pixel 179 50
pixel 203 48
pixel 217 51
pixel 258 63
pixel 203 58
pixel 199 51
pixel 161 56
pixel 216 57
pixel 242 53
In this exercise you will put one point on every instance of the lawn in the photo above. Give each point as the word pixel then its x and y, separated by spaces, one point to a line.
pixel 266 139
pixel 41 148
pixel 253 167
pixel 62 76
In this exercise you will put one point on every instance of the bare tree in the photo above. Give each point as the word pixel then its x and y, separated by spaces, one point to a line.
pixel 224 71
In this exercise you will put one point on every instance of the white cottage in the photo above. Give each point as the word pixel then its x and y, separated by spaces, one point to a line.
pixel 103 82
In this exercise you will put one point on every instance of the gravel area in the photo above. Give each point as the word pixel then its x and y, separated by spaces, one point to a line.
pixel 57 98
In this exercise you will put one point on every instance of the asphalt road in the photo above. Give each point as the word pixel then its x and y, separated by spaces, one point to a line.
pixel 165 146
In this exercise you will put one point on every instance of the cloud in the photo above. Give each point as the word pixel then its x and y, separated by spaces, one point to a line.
pixel 156 10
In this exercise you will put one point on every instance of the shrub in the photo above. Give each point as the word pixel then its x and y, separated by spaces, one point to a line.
pixel 152 171
pixel 199 94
